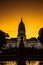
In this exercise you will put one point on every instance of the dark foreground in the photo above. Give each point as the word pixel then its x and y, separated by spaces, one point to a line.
pixel 21 54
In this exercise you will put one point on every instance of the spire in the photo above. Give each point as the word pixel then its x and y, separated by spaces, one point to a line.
pixel 21 28
pixel 21 20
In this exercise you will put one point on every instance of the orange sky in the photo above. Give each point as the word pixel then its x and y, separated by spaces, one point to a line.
pixel 11 12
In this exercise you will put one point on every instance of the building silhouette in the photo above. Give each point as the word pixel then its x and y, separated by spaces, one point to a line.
pixel 21 29
pixel 15 42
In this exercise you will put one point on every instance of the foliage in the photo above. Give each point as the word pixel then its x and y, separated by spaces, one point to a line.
pixel 2 38
pixel 40 37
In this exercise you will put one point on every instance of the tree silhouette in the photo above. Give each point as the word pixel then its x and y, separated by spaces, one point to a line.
pixel 40 37
pixel 3 36
pixel 21 43
pixel 21 60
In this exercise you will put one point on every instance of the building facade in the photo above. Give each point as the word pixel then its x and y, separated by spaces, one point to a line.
pixel 15 42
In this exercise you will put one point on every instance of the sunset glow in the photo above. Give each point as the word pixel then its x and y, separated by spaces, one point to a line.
pixel 11 12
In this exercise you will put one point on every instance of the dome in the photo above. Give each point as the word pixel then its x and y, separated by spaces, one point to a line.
pixel 21 28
